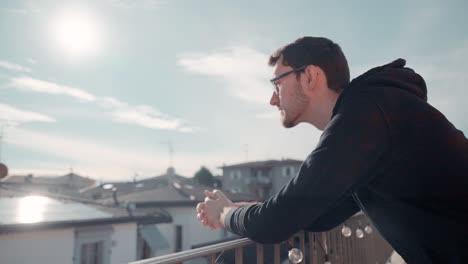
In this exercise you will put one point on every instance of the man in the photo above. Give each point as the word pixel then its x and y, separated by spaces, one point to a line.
pixel 384 150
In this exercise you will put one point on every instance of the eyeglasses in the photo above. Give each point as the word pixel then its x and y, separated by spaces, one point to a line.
pixel 274 80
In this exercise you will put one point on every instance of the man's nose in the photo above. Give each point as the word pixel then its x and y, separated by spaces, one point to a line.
pixel 274 100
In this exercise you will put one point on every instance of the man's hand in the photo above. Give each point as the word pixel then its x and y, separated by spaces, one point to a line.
pixel 209 212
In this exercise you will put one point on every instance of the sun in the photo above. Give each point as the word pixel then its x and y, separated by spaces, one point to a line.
pixel 77 33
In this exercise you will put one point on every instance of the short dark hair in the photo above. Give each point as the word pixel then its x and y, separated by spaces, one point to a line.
pixel 317 51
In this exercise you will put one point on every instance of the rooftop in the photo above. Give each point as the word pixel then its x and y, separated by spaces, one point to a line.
pixel 22 211
pixel 263 164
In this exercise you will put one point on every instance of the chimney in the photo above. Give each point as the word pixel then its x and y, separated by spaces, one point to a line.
pixel 114 196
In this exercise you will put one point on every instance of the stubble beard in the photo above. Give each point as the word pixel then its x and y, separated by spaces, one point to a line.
pixel 295 111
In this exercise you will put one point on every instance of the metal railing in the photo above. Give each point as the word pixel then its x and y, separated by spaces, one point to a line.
pixel 314 248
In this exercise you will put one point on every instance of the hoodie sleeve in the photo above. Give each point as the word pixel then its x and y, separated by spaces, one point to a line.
pixel 335 216
pixel 346 157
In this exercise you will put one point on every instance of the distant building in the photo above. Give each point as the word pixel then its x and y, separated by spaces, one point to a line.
pixel 260 178
pixel 41 229
pixel 69 184
pixel 106 190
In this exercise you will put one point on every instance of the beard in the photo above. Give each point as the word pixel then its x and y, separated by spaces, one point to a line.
pixel 290 114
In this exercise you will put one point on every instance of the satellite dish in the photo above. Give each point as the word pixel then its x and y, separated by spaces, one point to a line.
pixel 3 170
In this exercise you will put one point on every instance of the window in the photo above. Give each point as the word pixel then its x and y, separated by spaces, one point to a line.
pixel 178 238
pixel 92 245
pixel 92 253
pixel 235 175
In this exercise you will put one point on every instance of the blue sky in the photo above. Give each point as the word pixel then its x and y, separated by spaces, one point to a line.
pixel 103 86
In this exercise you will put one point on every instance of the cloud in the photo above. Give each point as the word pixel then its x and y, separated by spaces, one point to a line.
pixel 35 85
pixel 121 112
pixel 16 116
pixel 13 67
pixel 145 116
pixel 110 103
pixel 244 70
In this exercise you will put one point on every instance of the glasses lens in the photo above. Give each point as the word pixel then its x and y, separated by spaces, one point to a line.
pixel 275 88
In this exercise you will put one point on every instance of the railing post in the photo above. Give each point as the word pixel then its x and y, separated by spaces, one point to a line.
pixel 302 244
pixel 276 258
pixel 311 247
pixel 259 253
pixel 239 255
pixel 213 259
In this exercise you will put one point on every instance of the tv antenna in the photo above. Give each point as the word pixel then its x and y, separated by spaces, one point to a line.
pixel 171 151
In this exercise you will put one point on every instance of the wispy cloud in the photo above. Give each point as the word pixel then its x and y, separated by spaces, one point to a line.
pixel 145 116
pixel 13 67
pixel 35 85
pixel 121 112
pixel 110 103
pixel 17 116
pixel 244 70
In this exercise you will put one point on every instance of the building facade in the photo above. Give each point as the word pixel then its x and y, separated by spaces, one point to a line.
pixel 259 178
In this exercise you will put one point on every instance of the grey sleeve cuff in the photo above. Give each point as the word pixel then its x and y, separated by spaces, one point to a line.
pixel 228 220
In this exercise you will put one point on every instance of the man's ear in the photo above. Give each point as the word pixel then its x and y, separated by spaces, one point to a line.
pixel 310 79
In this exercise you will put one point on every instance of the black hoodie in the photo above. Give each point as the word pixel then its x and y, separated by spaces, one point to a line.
pixel 387 152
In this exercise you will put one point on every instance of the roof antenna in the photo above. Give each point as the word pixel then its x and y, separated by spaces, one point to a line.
pixel 171 152
pixel 246 151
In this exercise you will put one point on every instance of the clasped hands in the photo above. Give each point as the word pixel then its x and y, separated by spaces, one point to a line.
pixel 209 212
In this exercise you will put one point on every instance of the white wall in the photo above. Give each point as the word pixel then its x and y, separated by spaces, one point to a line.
pixel 124 244
pixel 57 246
pixel 192 231
pixel 51 246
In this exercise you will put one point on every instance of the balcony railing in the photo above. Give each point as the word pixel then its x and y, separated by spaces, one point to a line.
pixel 316 248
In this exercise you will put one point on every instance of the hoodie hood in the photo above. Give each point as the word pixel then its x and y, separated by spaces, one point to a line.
pixel 393 74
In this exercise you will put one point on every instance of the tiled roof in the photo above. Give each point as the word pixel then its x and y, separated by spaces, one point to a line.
pixel 75 180
pixel 28 178
pixel 69 179
pixel 123 188
pixel 174 194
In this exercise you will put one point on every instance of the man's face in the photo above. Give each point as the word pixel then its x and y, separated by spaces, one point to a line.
pixel 289 96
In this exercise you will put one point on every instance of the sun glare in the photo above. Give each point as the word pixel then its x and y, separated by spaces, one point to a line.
pixel 31 209
pixel 77 33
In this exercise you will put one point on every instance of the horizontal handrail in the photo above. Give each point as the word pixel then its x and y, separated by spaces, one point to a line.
pixel 196 253
pixel 337 245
